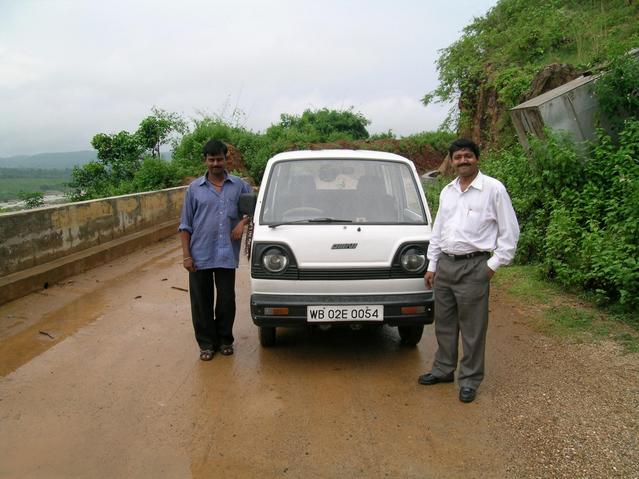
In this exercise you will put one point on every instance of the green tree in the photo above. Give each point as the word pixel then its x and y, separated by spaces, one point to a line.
pixel 122 155
pixel 91 180
pixel 156 130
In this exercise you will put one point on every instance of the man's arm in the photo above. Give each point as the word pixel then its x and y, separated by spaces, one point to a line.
pixel 187 259
pixel 508 231
pixel 185 229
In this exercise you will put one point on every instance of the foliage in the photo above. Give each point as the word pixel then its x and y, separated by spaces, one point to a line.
pixel 617 91
pixel 439 140
pixel 120 153
pixel 32 199
pixel 187 156
pixel 579 216
pixel 91 180
pixel 120 157
pixel 502 50
pixel 291 132
pixel 155 130
pixel 320 126
pixel 386 135
pixel 154 174
pixel 432 189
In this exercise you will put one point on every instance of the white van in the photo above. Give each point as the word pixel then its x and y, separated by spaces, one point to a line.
pixel 339 237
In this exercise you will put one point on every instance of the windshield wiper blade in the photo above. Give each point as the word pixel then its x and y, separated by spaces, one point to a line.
pixel 328 219
pixel 310 220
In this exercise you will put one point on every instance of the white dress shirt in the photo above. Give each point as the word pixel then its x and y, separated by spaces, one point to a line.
pixel 481 218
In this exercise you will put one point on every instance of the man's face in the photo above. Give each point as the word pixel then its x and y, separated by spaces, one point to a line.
pixel 465 163
pixel 215 164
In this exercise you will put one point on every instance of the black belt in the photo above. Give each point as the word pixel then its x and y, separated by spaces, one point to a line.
pixel 457 257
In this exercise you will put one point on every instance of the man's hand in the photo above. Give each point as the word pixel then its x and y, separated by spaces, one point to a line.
pixel 237 232
pixel 491 273
pixel 429 279
pixel 189 265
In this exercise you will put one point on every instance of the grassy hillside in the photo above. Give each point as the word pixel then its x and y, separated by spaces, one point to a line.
pixel 492 67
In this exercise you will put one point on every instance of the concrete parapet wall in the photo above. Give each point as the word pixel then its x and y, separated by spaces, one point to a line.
pixel 33 240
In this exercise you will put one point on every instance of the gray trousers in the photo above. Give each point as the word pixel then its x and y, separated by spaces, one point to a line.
pixel 461 305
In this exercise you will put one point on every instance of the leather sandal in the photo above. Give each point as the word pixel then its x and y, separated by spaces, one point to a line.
pixel 206 354
pixel 226 349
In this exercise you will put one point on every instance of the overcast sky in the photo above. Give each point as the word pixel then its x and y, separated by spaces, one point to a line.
pixel 72 68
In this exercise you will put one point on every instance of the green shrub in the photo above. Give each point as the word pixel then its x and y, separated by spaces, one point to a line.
pixel 618 91
pixel 579 216
pixel 32 199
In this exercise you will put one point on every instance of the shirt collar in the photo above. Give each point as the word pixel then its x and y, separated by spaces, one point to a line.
pixel 478 182
pixel 204 178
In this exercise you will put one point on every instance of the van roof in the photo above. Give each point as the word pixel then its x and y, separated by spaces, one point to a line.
pixel 338 154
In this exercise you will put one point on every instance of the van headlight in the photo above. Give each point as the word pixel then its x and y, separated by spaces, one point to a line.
pixel 275 260
pixel 413 259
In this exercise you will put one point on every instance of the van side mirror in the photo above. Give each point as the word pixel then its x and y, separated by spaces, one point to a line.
pixel 247 203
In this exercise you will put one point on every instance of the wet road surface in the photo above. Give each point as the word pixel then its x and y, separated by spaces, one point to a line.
pixel 101 378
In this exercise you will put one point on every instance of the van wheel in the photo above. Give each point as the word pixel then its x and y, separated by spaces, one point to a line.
pixel 267 336
pixel 410 335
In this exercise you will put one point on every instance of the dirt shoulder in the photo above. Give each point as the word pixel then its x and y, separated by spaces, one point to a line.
pixel 568 407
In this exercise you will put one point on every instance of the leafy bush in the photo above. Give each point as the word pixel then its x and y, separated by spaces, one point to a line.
pixel 155 174
pixel 579 216
pixel 439 140
pixel 617 91
pixel 320 126
pixel 32 199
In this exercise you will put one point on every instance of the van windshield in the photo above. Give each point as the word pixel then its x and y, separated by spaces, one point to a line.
pixel 342 190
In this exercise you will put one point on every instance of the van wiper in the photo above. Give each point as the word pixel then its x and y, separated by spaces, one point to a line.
pixel 328 219
pixel 311 220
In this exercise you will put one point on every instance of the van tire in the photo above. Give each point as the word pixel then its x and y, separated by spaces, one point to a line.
pixel 410 335
pixel 267 336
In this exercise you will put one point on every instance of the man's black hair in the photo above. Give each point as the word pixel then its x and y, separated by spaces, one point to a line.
pixel 214 148
pixel 463 143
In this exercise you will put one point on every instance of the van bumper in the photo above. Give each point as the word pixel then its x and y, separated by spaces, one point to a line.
pixel 297 304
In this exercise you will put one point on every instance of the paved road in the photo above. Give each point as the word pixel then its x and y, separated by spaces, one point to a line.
pixel 102 379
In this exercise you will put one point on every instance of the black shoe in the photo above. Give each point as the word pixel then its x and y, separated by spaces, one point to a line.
pixel 428 379
pixel 467 394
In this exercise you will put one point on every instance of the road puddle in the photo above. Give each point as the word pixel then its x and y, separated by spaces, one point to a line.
pixel 54 326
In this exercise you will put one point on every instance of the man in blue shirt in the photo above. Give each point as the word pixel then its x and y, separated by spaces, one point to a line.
pixel 211 233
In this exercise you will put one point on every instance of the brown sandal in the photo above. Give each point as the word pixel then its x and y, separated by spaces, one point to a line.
pixel 226 349
pixel 206 354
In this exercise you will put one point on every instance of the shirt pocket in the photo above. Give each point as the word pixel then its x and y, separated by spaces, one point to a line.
pixel 231 209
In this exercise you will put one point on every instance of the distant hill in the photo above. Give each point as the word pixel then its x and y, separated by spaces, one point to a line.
pixel 50 161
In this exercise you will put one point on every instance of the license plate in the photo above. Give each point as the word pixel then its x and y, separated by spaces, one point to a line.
pixel 369 312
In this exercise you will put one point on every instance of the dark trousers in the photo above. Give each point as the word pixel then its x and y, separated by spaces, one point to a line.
pixel 213 320
pixel 461 306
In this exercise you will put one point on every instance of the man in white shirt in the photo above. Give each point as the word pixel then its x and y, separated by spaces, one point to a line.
pixel 475 232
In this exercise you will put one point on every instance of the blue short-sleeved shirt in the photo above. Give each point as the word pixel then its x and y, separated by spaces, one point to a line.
pixel 210 215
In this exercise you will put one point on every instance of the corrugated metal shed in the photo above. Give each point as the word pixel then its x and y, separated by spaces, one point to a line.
pixel 571 107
